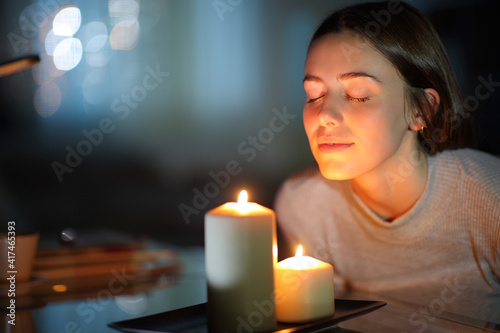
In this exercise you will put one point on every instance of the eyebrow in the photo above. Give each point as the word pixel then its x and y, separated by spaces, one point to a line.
pixel 353 75
pixel 313 78
pixel 342 77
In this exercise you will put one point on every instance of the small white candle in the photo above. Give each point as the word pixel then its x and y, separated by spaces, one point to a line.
pixel 306 288
pixel 239 241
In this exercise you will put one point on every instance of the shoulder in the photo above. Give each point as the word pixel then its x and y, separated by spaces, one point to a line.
pixel 475 160
pixel 480 182
pixel 477 167
pixel 477 192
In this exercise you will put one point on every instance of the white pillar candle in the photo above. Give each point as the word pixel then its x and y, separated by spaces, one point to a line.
pixel 304 287
pixel 239 241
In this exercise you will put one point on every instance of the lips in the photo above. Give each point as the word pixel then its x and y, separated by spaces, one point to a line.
pixel 331 145
pixel 334 147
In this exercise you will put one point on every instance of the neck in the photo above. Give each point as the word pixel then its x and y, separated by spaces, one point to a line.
pixel 394 187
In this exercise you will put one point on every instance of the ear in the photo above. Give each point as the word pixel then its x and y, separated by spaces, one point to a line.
pixel 433 98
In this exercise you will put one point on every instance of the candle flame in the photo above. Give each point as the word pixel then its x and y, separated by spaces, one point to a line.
pixel 299 251
pixel 243 197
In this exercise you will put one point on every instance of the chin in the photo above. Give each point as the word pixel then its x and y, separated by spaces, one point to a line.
pixel 330 174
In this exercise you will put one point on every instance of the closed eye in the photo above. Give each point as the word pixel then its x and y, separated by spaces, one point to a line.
pixel 312 100
pixel 355 99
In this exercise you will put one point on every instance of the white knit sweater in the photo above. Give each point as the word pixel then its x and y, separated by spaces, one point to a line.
pixel 443 254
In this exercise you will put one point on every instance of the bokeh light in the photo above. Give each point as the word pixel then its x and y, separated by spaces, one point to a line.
pixel 125 35
pixel 123 8
pixel 31 19
pixel 59 288
pixel 132 304
pixel 46 71
pixel 68 54
pixel 51 41
pixel 94 37
pixel 67 21
pixel 96 43
pixel 44 28
pixel 47 99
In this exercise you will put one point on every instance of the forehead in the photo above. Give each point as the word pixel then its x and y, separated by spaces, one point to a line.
pixel 334 54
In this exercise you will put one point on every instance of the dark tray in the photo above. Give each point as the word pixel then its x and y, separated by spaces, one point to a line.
pixel 193 319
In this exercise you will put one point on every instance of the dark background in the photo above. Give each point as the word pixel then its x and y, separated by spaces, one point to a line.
pixel 226 75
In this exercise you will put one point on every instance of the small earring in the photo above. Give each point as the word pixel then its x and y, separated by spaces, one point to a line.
pixel 421 130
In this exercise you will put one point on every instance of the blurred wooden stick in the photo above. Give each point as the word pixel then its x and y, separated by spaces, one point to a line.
pixel 18 65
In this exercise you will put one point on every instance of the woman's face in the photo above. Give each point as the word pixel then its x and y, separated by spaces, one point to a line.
pixel 354 116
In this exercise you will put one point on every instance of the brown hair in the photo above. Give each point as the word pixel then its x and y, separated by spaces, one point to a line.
pixel 406 38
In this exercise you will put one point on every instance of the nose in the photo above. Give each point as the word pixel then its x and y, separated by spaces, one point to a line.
pixel 329 115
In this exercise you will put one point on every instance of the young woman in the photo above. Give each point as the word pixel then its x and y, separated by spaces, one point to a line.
pixel 396 202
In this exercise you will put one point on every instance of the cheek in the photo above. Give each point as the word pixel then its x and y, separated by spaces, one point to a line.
pixel 383 127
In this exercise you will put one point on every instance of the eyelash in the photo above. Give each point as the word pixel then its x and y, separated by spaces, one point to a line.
pixel 312 100
pixel 346 96
pixel 356 99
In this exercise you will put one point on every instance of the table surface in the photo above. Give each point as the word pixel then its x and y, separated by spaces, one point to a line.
pixel 171 279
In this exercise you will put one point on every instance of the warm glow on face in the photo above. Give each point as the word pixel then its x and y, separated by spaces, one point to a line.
pixel 243 197
pixel 299 251
pixel 355 125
